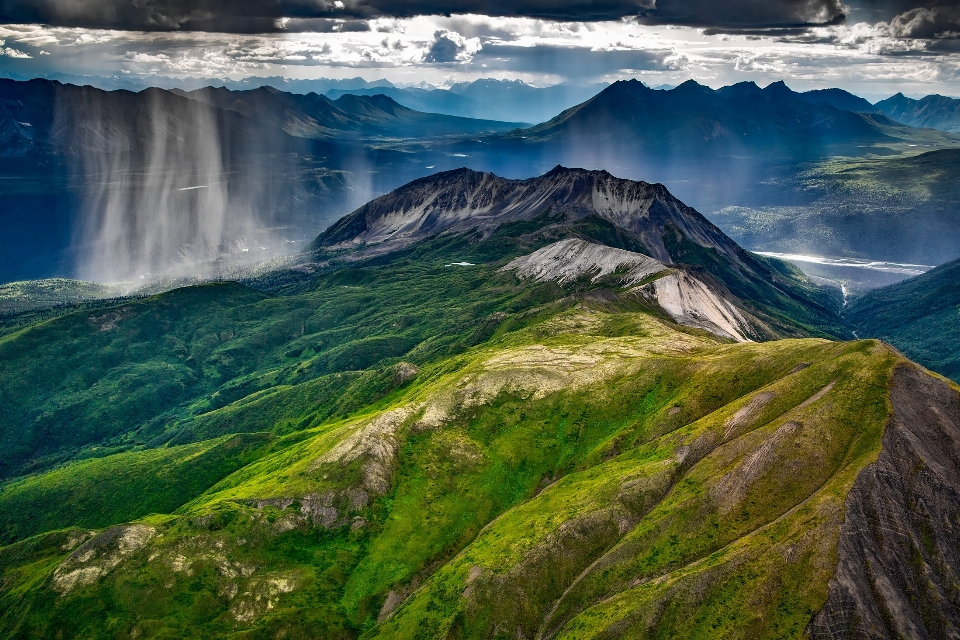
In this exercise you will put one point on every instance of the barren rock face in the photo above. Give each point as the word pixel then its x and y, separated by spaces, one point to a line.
pixel 898 574
pixel 456 201
pixel 570 259
pixel 683 297
pixel 100 555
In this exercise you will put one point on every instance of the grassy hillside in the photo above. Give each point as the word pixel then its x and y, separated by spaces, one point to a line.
pixel 920 316
pixel 683 469
pixel 123 376
pixel 136 374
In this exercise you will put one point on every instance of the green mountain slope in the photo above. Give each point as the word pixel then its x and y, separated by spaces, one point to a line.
pixel 920 316
pixel 595 474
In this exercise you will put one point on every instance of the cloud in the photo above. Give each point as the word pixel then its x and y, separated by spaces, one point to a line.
pixel 258 16
pixel 745 14
pixel 575 63
pixel 14 53
pixel 928 23
pixel 449 46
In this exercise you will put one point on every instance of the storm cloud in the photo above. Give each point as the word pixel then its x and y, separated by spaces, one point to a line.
pixel 923 22
pixel 262 16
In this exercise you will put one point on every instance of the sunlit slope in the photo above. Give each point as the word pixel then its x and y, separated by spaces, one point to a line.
pixel 591 474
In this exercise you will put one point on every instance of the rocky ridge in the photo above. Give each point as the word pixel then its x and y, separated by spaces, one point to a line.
pixel 463 200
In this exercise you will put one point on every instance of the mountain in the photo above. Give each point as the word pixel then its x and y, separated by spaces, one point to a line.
pixel 486 98
pixel 839 99
pixel 740 145
pixel 637 216
pixel 918 316
pixel 934 111
pixel 515 429
pixel 695 119
pixel 427 100
pixel 42 113
pixel 133 82
pixel 463 199
pixel 317 116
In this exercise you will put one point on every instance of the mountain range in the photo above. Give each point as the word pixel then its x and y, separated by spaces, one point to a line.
pixel 289 164
pixel 560 407
pixel 509 100
pixel 934 111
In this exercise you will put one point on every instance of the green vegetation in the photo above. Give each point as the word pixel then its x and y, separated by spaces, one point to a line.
pixel 920 316
pixel 497 473
pixel 404 449
pixel 100 492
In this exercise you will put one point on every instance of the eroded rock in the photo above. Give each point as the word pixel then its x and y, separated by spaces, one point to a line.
pixel 898 569
pixel 100 555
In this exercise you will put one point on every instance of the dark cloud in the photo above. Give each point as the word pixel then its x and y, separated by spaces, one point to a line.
pixel 258 16
pixel 443 49
pixel 745 14
pixel 935 22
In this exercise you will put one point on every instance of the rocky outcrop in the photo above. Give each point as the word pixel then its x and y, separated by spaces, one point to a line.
pixel 898 571
pixel 692 303
pixel 572 259
pixel 100 555
pixel 683 297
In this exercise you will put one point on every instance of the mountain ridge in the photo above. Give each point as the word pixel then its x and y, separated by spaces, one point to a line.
pixel 933 111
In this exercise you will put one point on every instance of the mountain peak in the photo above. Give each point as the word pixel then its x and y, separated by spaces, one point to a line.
pixel 740 89
pixel 778 88
pixel 463 200
pixel 630 87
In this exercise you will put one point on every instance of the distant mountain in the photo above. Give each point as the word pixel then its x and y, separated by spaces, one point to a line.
pixel 134 82
pixel 427 100
pixel 594 205
pixel 40 115
pixel 839 99
pixel 934 111
pixel 317 116
pixel 505 100
pixel 735 139
pixel 694 121
pixel 920 316
pixel 741 145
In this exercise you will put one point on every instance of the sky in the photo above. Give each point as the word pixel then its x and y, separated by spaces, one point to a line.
pixel 871 47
